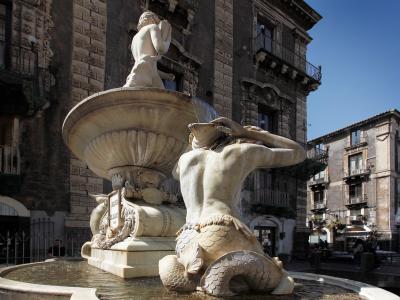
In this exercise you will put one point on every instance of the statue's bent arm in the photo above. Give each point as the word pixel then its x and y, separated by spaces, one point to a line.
pixel 276 151
pixel 283 151
pixel 160 45
pixel 260 156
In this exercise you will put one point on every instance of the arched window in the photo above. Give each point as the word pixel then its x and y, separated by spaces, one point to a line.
pixel 12 207
pixel 6 210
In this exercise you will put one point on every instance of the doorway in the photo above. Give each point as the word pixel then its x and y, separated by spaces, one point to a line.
pixel 266 235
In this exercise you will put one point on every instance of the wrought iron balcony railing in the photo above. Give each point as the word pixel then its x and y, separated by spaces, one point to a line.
pixel 264 42
pixel 321 180
pixel 272 197
pixel 357 172
pixel 319 205
pixel 29 66
pixel 358 199
pixel 9 160
pixel 357 220
pixel 317 154
pixel 361 141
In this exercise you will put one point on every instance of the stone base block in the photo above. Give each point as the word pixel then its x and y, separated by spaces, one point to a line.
pixel 133 258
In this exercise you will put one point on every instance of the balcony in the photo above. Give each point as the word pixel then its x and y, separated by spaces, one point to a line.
pixel 357 201
pixel 318 154
pixel 24 84
pixel 318 222
pixel 360 142
pixel 9 160
pixel 272 198
pixel 357 220
pixel 318 181
pixel 356 173
pixel 319 207
pixel 267 46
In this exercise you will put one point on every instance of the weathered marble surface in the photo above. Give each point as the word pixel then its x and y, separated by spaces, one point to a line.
pixel 150 42
pixel 215 244
pixel 132 136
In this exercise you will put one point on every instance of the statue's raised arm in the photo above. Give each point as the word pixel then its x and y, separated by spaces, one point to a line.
pixel 278 151
pixel 161 37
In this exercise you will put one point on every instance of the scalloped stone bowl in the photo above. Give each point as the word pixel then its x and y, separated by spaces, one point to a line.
pixel 136 133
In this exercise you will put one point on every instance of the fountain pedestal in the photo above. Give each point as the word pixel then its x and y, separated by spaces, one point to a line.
pixel 133 137
pixel 133 257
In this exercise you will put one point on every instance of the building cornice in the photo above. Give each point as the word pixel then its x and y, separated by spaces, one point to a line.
pixel 391 113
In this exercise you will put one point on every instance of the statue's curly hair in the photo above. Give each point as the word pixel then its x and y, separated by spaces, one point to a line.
pixel 147 18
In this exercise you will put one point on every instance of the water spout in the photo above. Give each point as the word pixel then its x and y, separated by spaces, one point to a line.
pixel 204 112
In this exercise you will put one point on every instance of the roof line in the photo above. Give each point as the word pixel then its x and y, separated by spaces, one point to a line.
pixel 393 112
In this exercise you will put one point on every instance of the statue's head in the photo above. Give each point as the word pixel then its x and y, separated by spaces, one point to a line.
pixel 205 134
pixel 147 18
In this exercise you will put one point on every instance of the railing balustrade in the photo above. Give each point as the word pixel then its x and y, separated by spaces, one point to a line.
pixel 9 160
pixel 358 171
pixel 357 199
pixel 38 244
pixel 265 42
pixel 272 197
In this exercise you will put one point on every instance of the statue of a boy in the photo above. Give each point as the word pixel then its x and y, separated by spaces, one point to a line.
pixel 151 41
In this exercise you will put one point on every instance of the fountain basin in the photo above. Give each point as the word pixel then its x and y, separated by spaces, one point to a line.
pixel 138 133
pixel 53 280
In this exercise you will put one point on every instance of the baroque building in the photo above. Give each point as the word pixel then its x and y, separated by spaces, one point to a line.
pixel 246 58
pixel 357 194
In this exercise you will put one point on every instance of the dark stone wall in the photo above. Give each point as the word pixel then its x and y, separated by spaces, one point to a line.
pixel 122 16
pixel 201 44
pixel 243 63
pixel 45 158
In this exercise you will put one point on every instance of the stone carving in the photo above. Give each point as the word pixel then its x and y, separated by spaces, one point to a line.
pixel 151 41
pixel 136 216
pixel 215 244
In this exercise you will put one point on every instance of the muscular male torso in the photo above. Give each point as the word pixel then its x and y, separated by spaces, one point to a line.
pixel 211 181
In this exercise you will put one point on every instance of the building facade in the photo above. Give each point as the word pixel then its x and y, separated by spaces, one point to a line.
pixel 245 58
pixel 357 194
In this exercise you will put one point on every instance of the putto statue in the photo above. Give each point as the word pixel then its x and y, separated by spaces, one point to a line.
pixel 215 246
pixel 151 41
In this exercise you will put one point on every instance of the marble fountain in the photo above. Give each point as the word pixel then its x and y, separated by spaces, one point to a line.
pixel 144 244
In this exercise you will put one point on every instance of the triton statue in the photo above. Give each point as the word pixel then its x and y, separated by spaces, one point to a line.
pixel 215 244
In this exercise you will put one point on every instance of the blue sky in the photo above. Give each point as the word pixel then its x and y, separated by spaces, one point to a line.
pixel 358 45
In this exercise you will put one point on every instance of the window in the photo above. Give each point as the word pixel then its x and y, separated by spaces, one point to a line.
pixel 355 212
pixel 264 34
pixel 355 192
pixel 319 175
pixel 355 137
pixel 5 32
pixel 6 129
pixel 288 43
pixel 319 197
pixel 355 164
pixel 319 150
pixel 9 153
pixel 2 33
pixel 174 84
pixel 266 119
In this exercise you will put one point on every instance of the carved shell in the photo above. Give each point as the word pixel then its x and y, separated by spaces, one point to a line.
pixel 134 148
